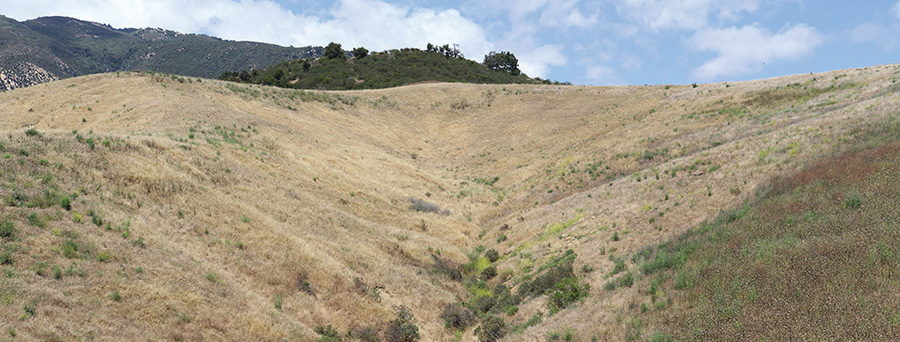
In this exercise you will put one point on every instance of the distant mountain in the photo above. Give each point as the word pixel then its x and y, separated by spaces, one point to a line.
pixel 386 69
pixel 50 48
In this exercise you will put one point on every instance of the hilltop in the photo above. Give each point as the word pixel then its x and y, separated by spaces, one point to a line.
pixel 148 206
pixel 51 48
pixel 392 68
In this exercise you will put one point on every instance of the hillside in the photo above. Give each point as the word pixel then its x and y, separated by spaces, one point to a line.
pixel 145 206
pixel 387 69
pixel 51 48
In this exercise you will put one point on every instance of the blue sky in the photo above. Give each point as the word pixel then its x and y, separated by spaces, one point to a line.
pixel 594 42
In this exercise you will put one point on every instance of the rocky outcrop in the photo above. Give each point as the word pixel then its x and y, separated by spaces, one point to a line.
pixel 22 75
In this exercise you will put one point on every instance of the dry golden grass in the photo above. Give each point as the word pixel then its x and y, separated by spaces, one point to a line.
pixel 272 191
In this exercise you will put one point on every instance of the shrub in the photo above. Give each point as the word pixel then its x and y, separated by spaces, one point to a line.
pixel 328 333
pixel 30 309
pixel 489 273
pixel 7 229
pixel 853 202
pixel 115 296
pixel 34 220
pixel 492 328
pixel 456 316
pixel 6 254
pixel 65 203
pixel 70 249
pixel 483 304
pixel 492 255
pixel 565 292
pixel 448 268
pixel 33 132
pixel 96 219
pixel 423 206
pixel 365 334
pixel 403 328
pixel 556 270
pixel 104 256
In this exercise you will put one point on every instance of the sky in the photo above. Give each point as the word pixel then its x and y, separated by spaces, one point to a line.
pixel 588 42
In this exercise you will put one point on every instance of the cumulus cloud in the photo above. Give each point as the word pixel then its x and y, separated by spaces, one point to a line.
pixel 683 14
pixel 375 24
pixel 746 49
pixel 536 62
pixel 602 75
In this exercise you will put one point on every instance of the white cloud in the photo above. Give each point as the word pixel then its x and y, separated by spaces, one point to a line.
pixel 896 9
pixel 536 62
pixel 602 75
pixel 374 24
pixel 683 14
pixel 746 49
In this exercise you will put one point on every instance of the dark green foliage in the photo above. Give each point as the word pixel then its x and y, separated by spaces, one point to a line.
pixel 554 271
pixel 360 52
pixel 456 316
pixel 502 61
pixel 403 328
pixel 30 309
pixel 334 51
pixel 70 249
pixel 33 132
pixel 328 333
pixel 6 254
pixel 65 203
pixel 34 220
pixel 492 255
pixel 482 304
pixel 446 267
pixel 489 273
pixel 115 296
pixel 565 292
pixel 625 280
pixel 67 47
pixel 7 229
pixel 377 70
pixel 365 334
pixel 854 201
pixel 492 328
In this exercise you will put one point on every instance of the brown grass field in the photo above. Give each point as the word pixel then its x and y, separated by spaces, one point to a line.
pixel 205 210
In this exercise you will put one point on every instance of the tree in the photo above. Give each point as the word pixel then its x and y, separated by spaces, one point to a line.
pixel 334 51
pixel 360 52
pixel 504 61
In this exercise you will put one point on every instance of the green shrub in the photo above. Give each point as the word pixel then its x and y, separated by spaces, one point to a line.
pixel 104 256
pixel 33 132
pixel 565 292
pixel 854 201
pixel 7 229
pixel 555 271
pixel 328 333
pixel 489 273
pixel 30 309
pixel 65 203
pixel 492 328
pixel 115 296
pixel 403 328
pixel 70 249
pixel 35 221
pixel 492 255
pixel 456 316
pixel 6 254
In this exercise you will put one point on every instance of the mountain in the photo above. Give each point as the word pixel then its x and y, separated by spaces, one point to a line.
pixel 142 206
pixel 375 70
pixel 51 48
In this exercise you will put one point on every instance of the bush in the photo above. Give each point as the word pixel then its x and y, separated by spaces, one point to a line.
pixel 403 328
pixel 6 254
pixel 7 229
pixel 65 203
pixel 492 328
pixel 328 333
pixel 70 249
pixel 365 334
pixel 456 316
pixel 33 132
pixel 483 304
pixel 489 273
pixel 423 206
pixel 565 292
pixel 492 255
pixel 556 270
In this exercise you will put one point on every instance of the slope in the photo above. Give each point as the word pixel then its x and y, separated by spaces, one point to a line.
pixel 237 212
pixel 50 48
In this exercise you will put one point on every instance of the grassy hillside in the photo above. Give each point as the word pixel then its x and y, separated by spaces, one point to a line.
pixel 146 206
pixel 377 70
pixel 49 48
